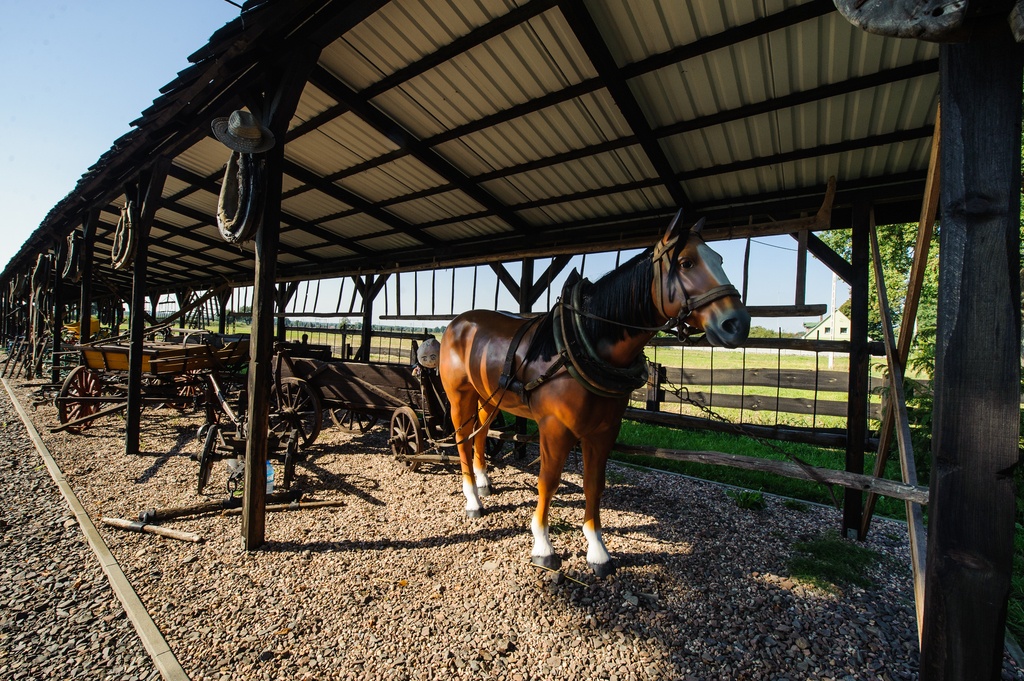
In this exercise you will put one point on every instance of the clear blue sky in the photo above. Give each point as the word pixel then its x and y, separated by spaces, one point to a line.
pixel 75 74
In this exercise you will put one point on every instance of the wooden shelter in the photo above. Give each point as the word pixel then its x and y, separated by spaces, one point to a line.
pixel 414 134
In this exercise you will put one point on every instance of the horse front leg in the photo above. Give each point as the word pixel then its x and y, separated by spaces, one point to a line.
pixel 555 442
pixel 595 459
pixel 464 416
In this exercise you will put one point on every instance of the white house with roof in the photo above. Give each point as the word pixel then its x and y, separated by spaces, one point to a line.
pixel 835 323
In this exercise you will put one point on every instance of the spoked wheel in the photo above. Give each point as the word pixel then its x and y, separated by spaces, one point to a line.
pixel 189 387
pixel 296 406
pixel 81 382
pixel 352 421
pixel 405 437
pixel 207 457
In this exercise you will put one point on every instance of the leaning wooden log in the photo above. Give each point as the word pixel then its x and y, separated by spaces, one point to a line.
pixel 156 514
pixel 138 526
pixel 826 476
pixel 294 506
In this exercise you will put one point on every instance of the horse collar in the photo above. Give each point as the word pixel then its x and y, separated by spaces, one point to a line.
pixel 583 363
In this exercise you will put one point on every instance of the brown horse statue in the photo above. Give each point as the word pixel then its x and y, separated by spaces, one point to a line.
pixel 572 370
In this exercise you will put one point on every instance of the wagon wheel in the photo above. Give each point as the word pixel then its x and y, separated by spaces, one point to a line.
pixel 351 420
pixel 294 405
pixel 189 386
pixel 81 382
pixel 206 458
pixel 405 436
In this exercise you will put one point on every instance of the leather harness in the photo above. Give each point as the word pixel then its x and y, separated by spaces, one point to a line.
pixel 577 353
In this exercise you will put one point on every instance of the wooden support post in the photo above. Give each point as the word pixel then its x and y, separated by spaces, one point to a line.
pixel 975 424
pixel 285 293
pixel 366 336
pixel 857 398
pixel 150 187
pixel 283 89
pixel 801 267
pixel 58 312
pixel 85 264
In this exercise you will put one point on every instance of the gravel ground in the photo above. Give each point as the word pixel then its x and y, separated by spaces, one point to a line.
pixel 397 584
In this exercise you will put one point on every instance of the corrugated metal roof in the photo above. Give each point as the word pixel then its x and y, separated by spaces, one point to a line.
pixel 482 128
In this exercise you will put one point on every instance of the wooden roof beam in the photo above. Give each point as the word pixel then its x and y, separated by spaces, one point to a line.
pixel 587 33
pixel 403 138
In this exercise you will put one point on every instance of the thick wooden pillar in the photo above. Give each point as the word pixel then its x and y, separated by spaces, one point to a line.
pixel 85 265
pixel 58 311
pixel 275 108
pixel 975 421
pixel 366 333
pixel 151 185
pixel 857 398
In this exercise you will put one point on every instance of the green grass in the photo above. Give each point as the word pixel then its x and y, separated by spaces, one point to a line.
pixel 831 563
pixel 748 499
pixel 670 438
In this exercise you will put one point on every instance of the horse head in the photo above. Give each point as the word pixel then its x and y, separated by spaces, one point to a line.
pixel 691 288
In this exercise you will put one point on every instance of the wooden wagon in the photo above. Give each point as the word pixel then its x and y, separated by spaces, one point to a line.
pixel 358 394
pixel 172 374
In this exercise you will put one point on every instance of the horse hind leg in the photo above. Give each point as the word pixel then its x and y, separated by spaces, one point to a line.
pixel 483 481
pixel 464 416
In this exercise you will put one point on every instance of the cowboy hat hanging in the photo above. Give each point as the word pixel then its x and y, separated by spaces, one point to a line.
pixel 242 132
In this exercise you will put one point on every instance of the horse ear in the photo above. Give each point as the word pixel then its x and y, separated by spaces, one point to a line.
pixel 699 226
pixel 673 226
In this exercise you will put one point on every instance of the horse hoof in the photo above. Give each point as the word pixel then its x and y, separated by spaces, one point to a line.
pixel 475 513
pixel 552 562
pixel 483 491
pixel 602 570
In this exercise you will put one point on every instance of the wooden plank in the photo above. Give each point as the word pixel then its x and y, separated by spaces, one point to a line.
pixel 798 310
pixel 876 348
pixel 826 476
pixel 925 229
pixel 821 437
pixel 898 402
pixel 766 403
pixel 976 422
pixel 789 379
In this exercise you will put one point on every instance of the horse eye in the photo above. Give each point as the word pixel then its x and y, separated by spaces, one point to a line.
pixel 686 263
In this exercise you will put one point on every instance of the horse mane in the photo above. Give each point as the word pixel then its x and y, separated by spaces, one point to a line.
pixel 622 295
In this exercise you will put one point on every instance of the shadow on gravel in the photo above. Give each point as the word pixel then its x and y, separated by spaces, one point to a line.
pixel 184 437
pixel 386 544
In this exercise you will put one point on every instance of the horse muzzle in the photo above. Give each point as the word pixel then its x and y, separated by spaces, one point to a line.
pixel 729 328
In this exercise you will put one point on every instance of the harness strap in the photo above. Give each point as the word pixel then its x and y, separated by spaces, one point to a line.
pixel 507 379
pixel 709 296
